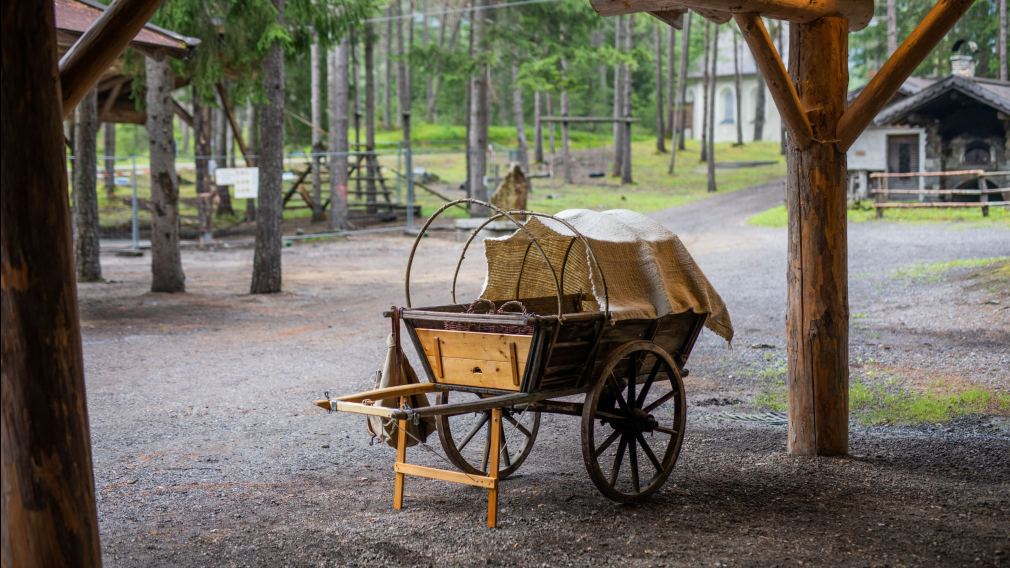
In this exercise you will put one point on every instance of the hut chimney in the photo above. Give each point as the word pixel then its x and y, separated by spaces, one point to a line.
pixel 962 58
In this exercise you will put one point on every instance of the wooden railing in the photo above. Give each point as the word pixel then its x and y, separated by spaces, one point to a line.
pixel 883 191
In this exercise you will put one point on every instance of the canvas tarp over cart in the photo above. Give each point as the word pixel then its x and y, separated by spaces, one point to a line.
pixel 607 306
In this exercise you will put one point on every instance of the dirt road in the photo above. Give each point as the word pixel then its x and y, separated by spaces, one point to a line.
pixel 209 453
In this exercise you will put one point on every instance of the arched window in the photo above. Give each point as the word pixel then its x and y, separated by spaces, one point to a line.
pixel 977 154
pixel 728 106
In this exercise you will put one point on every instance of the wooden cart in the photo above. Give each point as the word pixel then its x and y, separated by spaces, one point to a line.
pixel 495 374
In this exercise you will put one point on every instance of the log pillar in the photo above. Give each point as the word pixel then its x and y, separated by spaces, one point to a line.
pixel 818 314
pixel 48 490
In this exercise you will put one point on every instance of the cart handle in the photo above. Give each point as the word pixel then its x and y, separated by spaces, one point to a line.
pixel 564 263
pixel 508 215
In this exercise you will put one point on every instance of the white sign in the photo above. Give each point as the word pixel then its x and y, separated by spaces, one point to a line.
pixel 245 180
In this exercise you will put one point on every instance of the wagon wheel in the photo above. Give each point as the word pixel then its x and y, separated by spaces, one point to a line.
pixel 466 438
pixel 638 421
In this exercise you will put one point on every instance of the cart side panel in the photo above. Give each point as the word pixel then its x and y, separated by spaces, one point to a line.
pixel 477 359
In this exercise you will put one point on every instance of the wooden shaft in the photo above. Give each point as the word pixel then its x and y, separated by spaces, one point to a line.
pixel 236 130
pixel 898 67
pixel 492 468
pixel 183 114
pixel 777 79
pixel 818 319
pixel 83 64
pixel 857 12
pixel 48 489
pixel 401 458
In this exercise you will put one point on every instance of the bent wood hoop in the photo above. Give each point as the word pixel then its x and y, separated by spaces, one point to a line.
pixel 510 215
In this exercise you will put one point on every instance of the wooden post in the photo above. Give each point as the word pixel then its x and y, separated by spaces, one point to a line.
pixel 48 490
pixel 401 457
pixel 492 468
pixel 983 196
pixel 817 325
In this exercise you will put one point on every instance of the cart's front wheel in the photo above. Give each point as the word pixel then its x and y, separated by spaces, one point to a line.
pixel 633 422
pixel 466 438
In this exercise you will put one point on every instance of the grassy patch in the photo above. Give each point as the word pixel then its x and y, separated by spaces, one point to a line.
pixel 888 402
pixel 772 393
pixel 776 216
pixel 934 271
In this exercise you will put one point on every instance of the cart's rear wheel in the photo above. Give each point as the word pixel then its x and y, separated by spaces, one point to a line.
pixel 633 422
pixel 466 438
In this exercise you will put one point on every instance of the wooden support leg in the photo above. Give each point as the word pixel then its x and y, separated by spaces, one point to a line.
pixel 401 457
pixel 818 317
pixel 492 470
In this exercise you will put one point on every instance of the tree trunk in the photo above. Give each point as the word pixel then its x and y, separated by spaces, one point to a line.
pixel 266 277
pixel 566 149
pixel 201 132
pixel 86 245
pixel 892 27
pixel 370 158
pixel 254 145
pixel 110 158
pixel 685 50
pixel 711 109
pixel 436 81
pixel 317 137
pixel 477 139
pixel 387 88
pixel 166 262
pixel 660 107
pixel 405 91
pixel 426 41
pixel 550 128
pixel 47 501
pixel 520 119
pixel 705 88
pixel 738 87
pixel 629 33
pixel 759 110
pixel 184 128
pixel 339 126
pixel 538 130
pixel 671 86
pixel 618 95
pixel 1002 41
pixel 817 326
pixel 224 206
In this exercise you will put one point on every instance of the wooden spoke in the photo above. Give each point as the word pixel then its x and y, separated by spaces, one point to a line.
pixel 617 393
pixel 518 426
pixel 487 452
pixel 505 446
pixel 474 431
pixel 606 443
pixel 666 430
pixel 659 401
pixel 632 377
pixel 617 461
pixel 648 384
pixel 649 453
pixel 633 458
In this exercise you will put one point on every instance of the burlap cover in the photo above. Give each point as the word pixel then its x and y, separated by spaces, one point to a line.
pixel 648 271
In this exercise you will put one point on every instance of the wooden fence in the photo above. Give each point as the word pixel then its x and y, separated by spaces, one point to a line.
pixel 882 193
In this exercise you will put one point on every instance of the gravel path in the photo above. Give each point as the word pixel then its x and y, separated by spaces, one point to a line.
pixel 208 452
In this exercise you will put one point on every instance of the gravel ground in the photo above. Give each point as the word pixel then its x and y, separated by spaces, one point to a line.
pixel 209 453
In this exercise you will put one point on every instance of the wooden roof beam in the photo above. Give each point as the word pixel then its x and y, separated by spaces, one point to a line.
pixel 781 87
pixel 857 12
pixel 916 47
pixel 83 64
